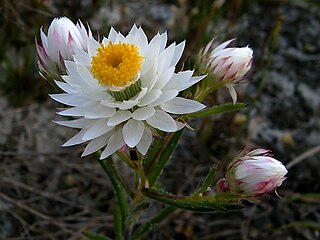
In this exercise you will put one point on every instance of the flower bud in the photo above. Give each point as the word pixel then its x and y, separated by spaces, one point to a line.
pixel 255 174
pixel 225 66
pixel 64 38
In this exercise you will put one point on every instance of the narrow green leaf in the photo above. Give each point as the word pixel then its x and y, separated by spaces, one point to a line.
pixel 194 203
pixel 207 182
pixel 160 161
pixel 94 236
pixel 229 107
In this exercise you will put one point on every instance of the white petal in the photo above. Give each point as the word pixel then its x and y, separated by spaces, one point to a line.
pixel 112 35
pixel 73 74
pixel 165 97
pixel 163 40
pixel 76 139
pixel 141 94
pixel 181 83
pixel 70 99
pixel 164 77
pixel 105 41
pixel 93 45
pixel 148 72
pixel 71 82
pixel 150 97
pixel 154 47
pixel 165 58
pixel 120 38
pixel 162 121
pixel 192 81
pixel 132 31
pixel 140 39
pixel 128 104
pixel 132 132
pixel 114 144
pixel 145 141
pixel 65 87
pixel 177 53
pixel 143 113
pixel 119 117
pixel 96 144
pixel 99 111
pixel 97 129
pixel 82 58
pixel 180 105
pixel 74 112
pixel 77 123
pixel 179 80
pixel 88 78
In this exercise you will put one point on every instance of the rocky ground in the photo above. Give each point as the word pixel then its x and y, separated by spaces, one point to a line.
pixel 48 192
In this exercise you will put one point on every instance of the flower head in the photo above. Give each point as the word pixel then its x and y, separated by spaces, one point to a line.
pixel 122 89
pixel 64 38
pixel 226 66
pixel 255 174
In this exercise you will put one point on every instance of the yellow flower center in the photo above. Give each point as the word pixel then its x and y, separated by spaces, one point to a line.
pixel 116 64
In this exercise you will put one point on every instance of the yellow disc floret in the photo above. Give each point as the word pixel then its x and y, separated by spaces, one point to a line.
pixel 116 65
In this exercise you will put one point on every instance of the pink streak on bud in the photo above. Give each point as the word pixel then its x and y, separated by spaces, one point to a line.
pixel 222 185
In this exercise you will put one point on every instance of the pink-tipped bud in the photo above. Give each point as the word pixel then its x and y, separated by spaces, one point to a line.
pixel 255 174
pixel 64 38
pixel 226 64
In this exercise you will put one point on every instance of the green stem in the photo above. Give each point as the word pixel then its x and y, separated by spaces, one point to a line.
pixel 124 157
pixel 138 200
pixel 118 222
pixel 109 168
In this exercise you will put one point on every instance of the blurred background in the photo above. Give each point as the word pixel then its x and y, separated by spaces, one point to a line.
pixel 49 192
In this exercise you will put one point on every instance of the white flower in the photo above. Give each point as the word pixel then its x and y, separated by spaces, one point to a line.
pixel 227 65
pixel 63 40
pixel 256 173
pixel 122 89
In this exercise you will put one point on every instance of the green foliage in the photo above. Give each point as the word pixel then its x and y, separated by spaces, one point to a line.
pixel 198 203
pixel 229 107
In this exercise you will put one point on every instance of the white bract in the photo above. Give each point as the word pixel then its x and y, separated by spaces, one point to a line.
pixel 256 173
pixel 61 43
pixel 122 89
